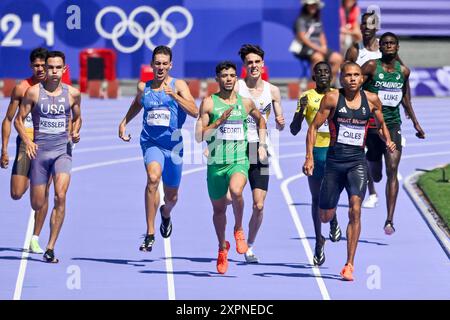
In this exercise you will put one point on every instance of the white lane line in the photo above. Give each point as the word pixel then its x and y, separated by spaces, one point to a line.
pixel 302 234
pixel 29 232
pixel 24 258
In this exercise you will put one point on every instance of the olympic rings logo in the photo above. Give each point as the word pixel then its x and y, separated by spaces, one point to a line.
pixel 143 35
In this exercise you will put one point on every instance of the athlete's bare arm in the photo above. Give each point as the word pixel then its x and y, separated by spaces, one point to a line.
pixel 326 110
pixel 406 101
pixel 29 100
pixel 75 103
pixel 203 131
pixel 277 109
pixel 376 109
pixel 352 53
pixel 16 98
pixel 183 96
pixel 262 127
pixel 132 112
pixel 368 70
pixel 296 124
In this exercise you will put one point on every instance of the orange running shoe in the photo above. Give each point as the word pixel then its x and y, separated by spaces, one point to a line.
pixel 347 272
pixel 222 259
pixel 241 244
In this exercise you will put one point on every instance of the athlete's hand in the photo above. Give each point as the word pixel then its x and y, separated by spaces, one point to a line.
pixel 5 160
pixel 31 149
pixel 279 120
pixel 168 90
pixel 303 103
pixel 390 145
pixel 420 133
pixel 225 115
pixel 308 167
pixel 75 137
pixel 122 134
pixel 262 153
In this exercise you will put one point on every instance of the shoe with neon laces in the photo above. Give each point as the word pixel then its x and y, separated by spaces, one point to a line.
pixel 250 256
pixel 319 252
pixel 49 256
pixel 335 230
pixel 34 247
pixel 241 244
pixel 166 225
pixel 389 227
pixel 147 245
pixel 371 202
pixel 347 272
pixel 222 259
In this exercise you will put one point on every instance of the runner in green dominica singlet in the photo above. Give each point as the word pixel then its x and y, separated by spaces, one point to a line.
pixel 389 79
pixel 223 124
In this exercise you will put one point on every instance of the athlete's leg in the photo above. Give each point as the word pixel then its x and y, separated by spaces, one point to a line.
pixel 154 172
pixel 170 200
pixel 61 185
pixel 20 171
pixel 41 214
pixel 259 196
pixel 19 185
pixel 354 227
pixel 392 162
pixel 220 220
pixel 236 185
pixel 314 187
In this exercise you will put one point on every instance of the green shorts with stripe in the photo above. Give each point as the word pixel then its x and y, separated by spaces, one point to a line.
pixel 219 176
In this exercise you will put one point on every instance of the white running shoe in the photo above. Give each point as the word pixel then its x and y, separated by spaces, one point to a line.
pixel 250 256
pixel 371 202
pixel 34 247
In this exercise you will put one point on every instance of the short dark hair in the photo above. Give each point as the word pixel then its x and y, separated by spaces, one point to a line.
pixel 38 53
pixel 225 65
pixel 319 63
pixel 348 63
pixel 389 34
pixel 56 54
pixel 165 50
pixel 250 48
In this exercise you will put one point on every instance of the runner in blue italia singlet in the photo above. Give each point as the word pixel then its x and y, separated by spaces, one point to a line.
pixel 166 102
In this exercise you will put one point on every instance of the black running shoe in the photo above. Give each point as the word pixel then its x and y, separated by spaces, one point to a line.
pixel 148 243
pixel 389 227
pixel 166 225
pixel 49 256
pixel 335 230
pixel 319 253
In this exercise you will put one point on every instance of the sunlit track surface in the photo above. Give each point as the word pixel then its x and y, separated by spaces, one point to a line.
pixel 98 245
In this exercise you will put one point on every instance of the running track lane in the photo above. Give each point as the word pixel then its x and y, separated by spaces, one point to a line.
pixel 105 221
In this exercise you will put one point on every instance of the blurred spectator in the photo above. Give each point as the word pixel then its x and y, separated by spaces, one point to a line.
pixel 350 32
pixel 310 42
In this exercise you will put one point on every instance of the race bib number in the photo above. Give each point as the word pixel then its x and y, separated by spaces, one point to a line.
pixel 324 127
pixel 52 126
pixel 231 130
pixel 390 98
pixel 252 130
pixel 28 122
pixel 158 117
pixel 351 135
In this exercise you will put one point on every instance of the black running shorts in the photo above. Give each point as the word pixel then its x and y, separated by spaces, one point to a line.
pixel 377 147
pixel 258 174
pixel 350 175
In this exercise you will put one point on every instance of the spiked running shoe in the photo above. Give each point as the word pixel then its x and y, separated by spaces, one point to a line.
pixel 347 272
pixel 222 259
pixel 34 247
pixel 319 252
pixel 241 244
pixel 147 245
pixel 49 256
pixel 371 202
pixel 389 227
pixel 335 231
pixel 166 225
pixel 250 256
